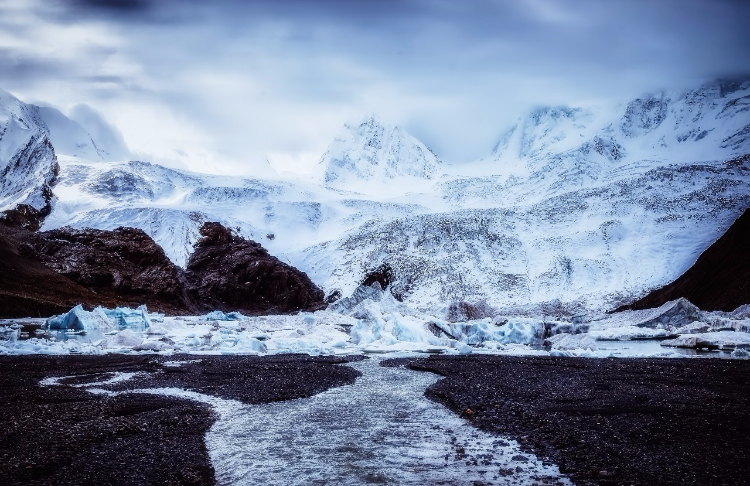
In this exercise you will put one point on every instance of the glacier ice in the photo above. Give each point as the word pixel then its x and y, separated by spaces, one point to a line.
pixel 380 325
pixel 218 315
pixel 78 319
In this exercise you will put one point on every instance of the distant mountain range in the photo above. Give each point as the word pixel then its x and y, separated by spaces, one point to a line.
pixel 579 206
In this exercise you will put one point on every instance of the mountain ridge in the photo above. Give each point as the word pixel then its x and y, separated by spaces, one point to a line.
pixel 590 215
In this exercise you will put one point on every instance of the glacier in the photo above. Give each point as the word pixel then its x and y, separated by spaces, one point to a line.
pixel 575 208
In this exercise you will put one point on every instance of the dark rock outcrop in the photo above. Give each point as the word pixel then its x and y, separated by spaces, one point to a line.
pixel 49 272
pixel 28 288
pixel 718 280
pixel 228 272
pixel 125 264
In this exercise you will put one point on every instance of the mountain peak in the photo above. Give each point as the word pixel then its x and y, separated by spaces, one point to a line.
pixel 372 151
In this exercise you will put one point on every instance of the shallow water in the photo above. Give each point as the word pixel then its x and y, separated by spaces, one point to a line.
pixel 381 430
pixel 641 347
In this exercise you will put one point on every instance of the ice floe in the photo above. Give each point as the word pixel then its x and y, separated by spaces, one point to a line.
pixel 372 320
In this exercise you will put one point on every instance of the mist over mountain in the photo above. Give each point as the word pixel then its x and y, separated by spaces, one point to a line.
pixel 586 206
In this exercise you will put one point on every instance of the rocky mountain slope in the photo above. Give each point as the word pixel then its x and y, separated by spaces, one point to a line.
pixel 719 279
pixel 46 273
pixel 581 206
pixel 123 265
pixel 28 288
pixel 228 273
pixel 28 165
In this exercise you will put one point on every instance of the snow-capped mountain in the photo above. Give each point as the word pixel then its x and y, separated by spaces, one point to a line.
pixel 370 155
pixel 591 206
pixel 559 148
pixel 30 137
pixel 70 138
pixel 28 165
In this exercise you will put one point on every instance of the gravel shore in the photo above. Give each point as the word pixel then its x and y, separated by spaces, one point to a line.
pixel 65 435
pixel 610 421
pixel 603 421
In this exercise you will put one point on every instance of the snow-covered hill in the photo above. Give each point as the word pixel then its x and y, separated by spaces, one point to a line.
pixel 30 137
pixel 372 157
pixel 590 206
pixel 28 165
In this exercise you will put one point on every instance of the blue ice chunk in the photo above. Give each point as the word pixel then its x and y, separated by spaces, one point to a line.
pixel 218 315
pixel 127 318
pixel 77 319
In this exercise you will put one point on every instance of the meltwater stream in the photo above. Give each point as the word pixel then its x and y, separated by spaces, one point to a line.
pixel 380 430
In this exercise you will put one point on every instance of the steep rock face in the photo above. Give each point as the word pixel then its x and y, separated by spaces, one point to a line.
pixel 231 273
pixel 28 288
pixel 643 115
pixel 719 279
pixel 125 264
pixel 26 182
pixel 48 272
pixel 30 139
pixel 28 164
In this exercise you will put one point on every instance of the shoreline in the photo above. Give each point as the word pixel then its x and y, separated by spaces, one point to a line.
pixel 603 421
pixel 613 421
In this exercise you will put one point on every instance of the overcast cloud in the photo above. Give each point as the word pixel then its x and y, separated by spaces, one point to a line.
pixel 221 86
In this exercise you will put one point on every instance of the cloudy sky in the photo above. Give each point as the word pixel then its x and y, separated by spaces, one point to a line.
pixel 222 86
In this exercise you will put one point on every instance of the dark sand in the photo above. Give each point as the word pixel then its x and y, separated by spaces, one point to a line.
pixel 67 436
pixel 603 421
pixel 610 421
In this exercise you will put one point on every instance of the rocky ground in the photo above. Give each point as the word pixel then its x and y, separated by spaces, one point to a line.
pixel 603 421
pixel 610 421
pixel 66 435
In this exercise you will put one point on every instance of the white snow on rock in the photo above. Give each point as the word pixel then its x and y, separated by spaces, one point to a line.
pixel 31 137
pixel 585 207
pixel 370 156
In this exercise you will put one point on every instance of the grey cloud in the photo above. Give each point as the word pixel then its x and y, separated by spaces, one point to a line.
pixel 454 72
pixel 19 68
pixel 108 137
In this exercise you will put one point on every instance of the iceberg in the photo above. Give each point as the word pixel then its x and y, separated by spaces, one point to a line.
pixel 218 315
pixel 78 319
pixel 126 318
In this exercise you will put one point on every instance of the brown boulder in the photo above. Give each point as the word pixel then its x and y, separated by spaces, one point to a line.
pixel 125 264
pixel 227 272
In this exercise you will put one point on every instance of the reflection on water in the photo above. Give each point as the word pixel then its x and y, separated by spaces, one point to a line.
pixel 82 336
pixel 651 347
